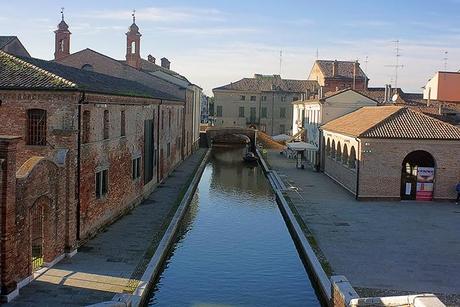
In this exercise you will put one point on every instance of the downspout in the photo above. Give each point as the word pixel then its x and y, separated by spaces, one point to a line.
pixel 80 102
pixel 159 122
pixel 273 109
pixel 357 170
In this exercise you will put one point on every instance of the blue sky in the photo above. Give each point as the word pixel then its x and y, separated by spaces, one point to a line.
pixel 216 42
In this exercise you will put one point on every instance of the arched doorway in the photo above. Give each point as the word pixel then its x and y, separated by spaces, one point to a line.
pixel 37 234
pixel 417 176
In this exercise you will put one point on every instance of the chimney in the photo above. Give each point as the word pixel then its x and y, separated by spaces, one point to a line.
pixel 355 72
pixel 335 68
pixel 385 97
pixel 165 63
pixel 428 102
pixel 151 58
pixel 390 95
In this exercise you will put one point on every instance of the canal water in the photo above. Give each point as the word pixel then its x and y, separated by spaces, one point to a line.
pixel 233 248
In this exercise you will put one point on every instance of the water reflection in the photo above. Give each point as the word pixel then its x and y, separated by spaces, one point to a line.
pixel 234 248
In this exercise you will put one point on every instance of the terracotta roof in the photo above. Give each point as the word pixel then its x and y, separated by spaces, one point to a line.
pixel 345 69
pixel 270 83
pixel 30 73
pixel 392 122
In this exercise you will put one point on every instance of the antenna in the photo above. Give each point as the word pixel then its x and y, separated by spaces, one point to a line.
pixel 317 53
pixel 446 58
pixel 365 62
pixel 396 66
pixel 281 60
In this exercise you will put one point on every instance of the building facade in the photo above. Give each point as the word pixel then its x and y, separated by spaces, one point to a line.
pixel 335 75
pixel 77 150
pixel 262 102
pixel 147 72
pixel 443 86
pixel 391 152
pixel 309 115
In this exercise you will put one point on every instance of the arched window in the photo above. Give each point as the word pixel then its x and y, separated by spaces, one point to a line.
pixel 328 147
pixel 36 127
pixel 86 126
pixel 352 158
pixel 133 47
pixel 338 155
pixel 345 154
pixel 87 67
pixel 333 149
pixel 106 124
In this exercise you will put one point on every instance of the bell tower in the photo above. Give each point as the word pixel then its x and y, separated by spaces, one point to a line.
pixel 62 39
pixel 133 45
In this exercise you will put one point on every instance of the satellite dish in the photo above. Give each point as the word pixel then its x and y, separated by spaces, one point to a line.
pixel 394 98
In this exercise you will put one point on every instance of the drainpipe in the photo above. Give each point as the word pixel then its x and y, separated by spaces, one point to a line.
pixel 80 102
pixel 273 109
pixel 357 169
pixel 159 122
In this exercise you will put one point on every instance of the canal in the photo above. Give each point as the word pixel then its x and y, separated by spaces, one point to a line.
pixel 233 247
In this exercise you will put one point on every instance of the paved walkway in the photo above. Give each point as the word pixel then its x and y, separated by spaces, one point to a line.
pixel 111 262
pixel 403 246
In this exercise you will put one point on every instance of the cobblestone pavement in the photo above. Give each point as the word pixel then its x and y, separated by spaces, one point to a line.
pixel 381 245
pixel 110 263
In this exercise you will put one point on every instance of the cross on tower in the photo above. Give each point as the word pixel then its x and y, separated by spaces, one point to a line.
pixel 62 13
pixel 134 15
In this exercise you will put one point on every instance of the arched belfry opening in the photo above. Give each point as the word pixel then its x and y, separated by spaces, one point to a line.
pixel 417 176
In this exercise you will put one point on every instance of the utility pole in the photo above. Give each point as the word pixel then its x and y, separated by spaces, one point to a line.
pixel 281 60
pixel 396 66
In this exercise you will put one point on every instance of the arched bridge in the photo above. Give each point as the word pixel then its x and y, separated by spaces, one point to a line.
pixel 231 135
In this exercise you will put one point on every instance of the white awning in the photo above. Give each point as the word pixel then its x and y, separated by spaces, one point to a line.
pixel 302 146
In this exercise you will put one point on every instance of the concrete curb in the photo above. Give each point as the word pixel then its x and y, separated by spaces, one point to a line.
pixel 138 297
pixel 296 231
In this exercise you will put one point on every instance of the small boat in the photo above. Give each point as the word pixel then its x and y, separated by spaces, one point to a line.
pixel 250 157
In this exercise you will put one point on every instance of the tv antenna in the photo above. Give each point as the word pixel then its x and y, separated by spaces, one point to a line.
pixel 317 53
pixel 446 59
pixel 281 60
pixel 396 66
pixel 365 63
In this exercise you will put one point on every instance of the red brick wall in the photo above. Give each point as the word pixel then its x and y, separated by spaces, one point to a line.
pixel 331 85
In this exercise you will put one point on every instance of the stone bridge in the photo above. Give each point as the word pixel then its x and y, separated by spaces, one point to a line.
pixel 231 135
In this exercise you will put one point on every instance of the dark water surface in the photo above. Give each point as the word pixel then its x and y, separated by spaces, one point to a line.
pixel 234 248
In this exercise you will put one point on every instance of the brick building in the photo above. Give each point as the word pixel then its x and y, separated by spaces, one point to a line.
pixel 264 102
pixel 135 68
pixel 77 150
pixel 336 75
pixel 391 152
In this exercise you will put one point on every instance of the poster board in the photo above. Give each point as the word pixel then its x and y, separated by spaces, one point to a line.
pixel 425 183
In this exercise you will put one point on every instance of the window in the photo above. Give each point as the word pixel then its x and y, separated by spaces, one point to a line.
pixel 263 112
pixel 136 170
pixel 36 127
pixel 241 112
pixel 282 129
pixel 328 147
pixel 102 183
pixel 345 155
pixel 264 98
pixel 283 98
pixel 106 124
pixel 333 149
pixel 169 118
pixel 122 123
pixel 168 150
pixel 86 126
pixel 253 98
pixel 242 97
pixel 338 153
pixel 352 158
pixel 219 111
pixel 87 67
pixel 162 119
pixel 282 112
pixel 178 117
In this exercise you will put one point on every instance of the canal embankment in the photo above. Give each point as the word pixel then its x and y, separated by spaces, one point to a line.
pixel 115 260
pixel 389 252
